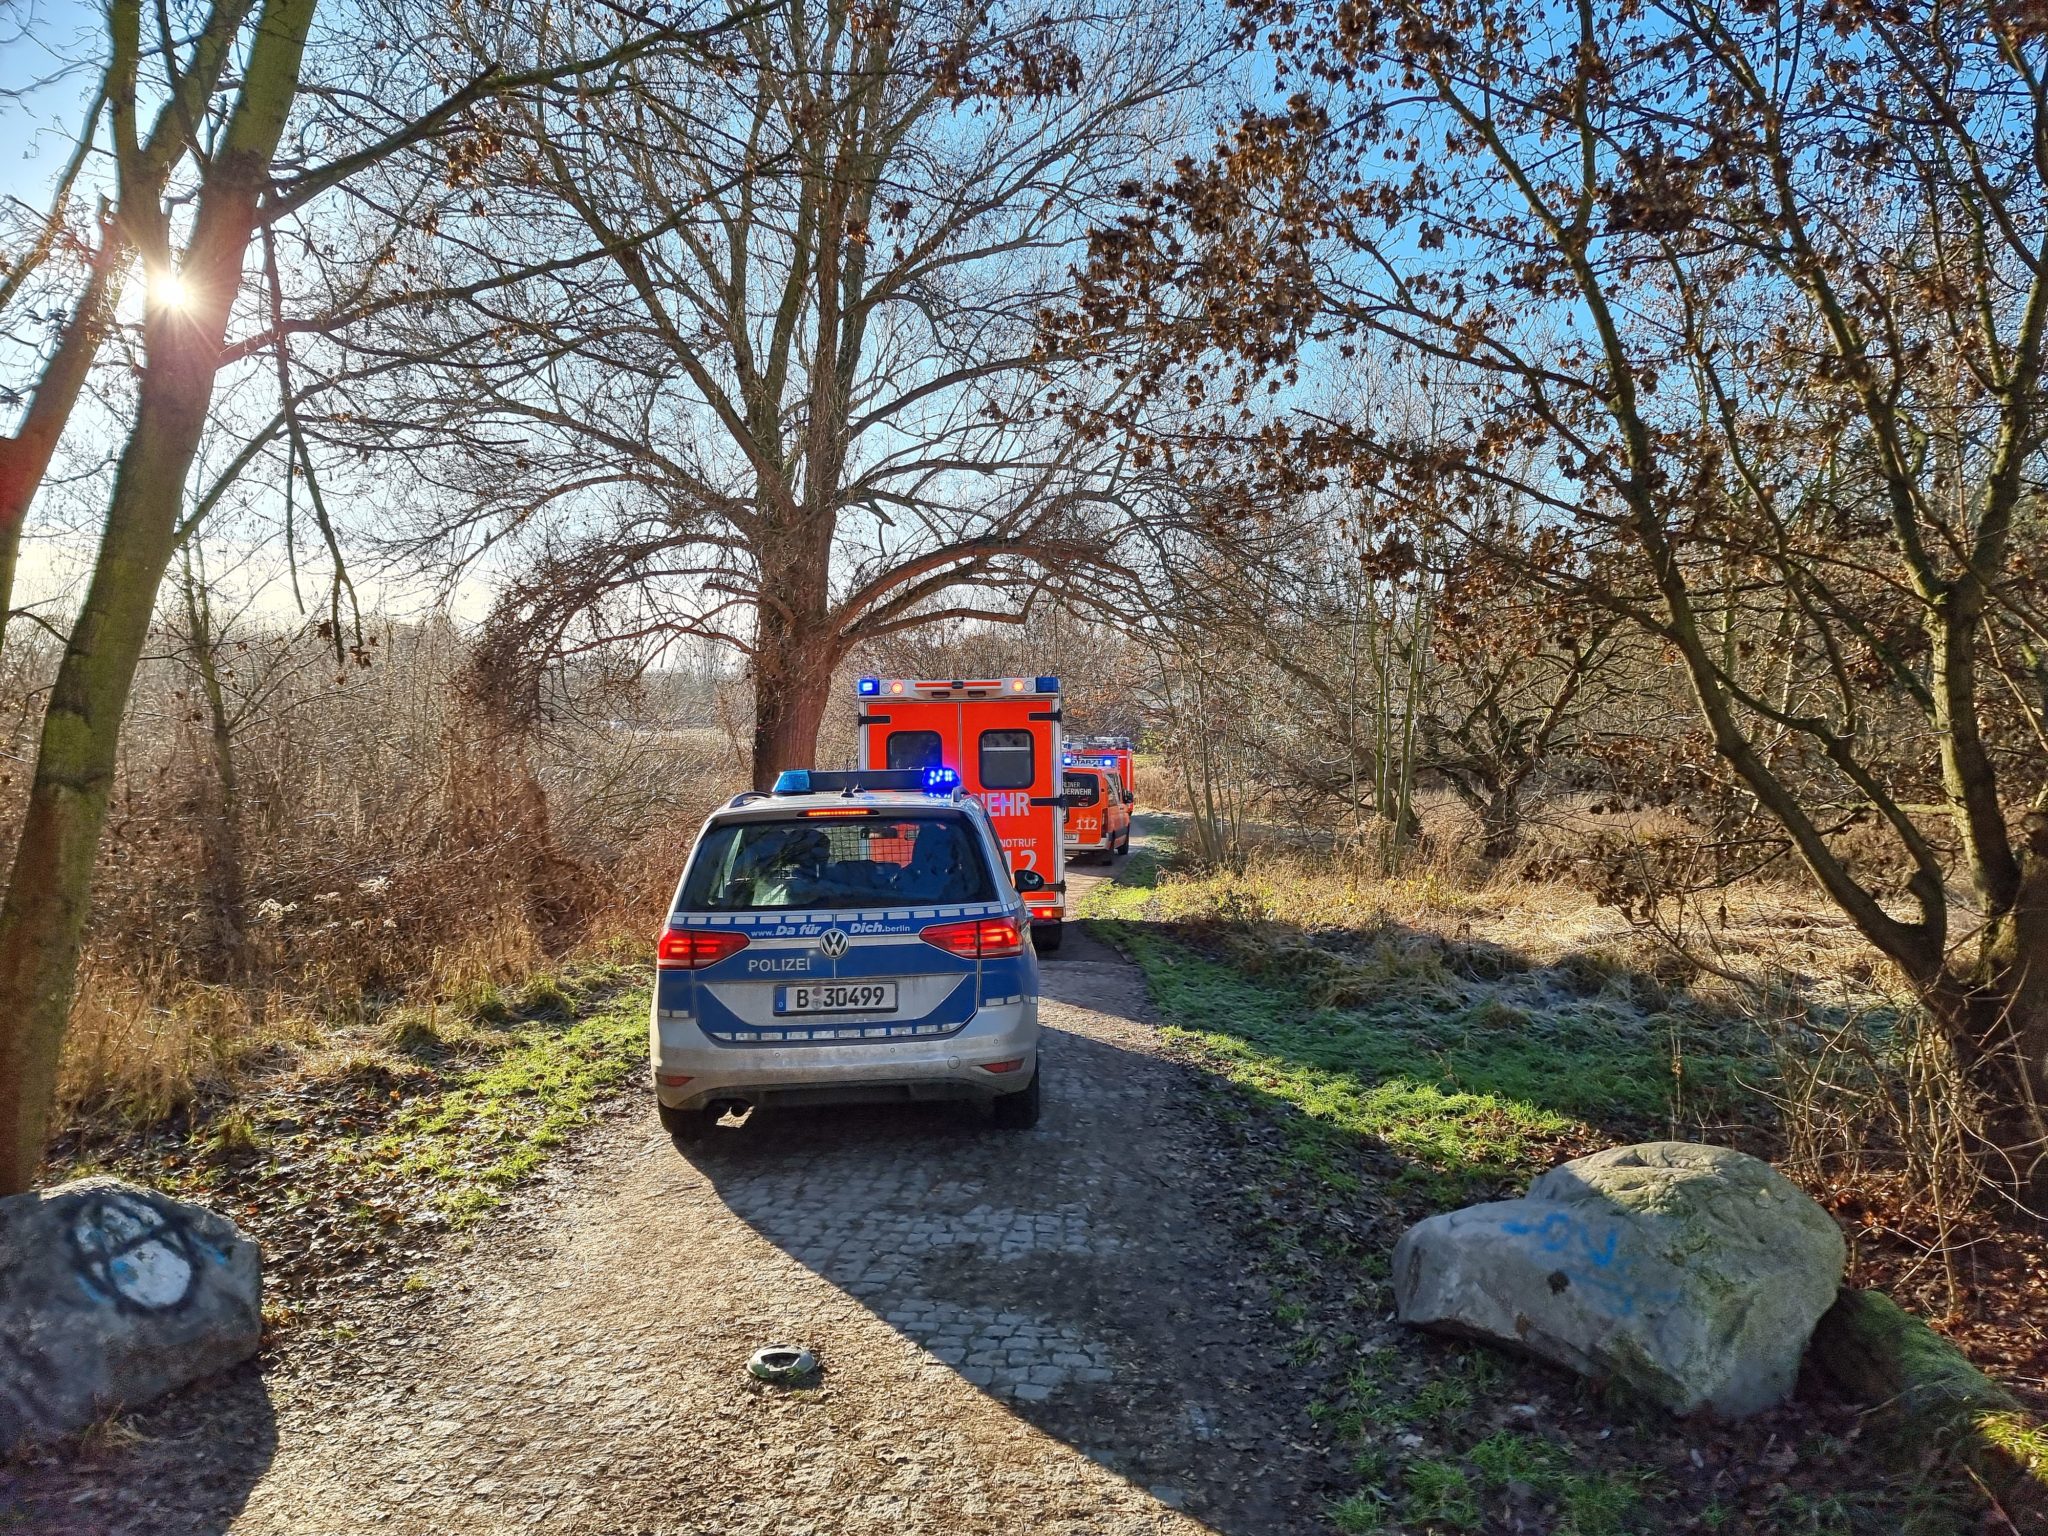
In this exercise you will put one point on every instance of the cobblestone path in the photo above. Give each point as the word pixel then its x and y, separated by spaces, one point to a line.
pixel 1021 1332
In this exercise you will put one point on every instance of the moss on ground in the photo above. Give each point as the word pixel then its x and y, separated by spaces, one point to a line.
pixel 2019 1438
pixel 1930 1397
pixel 496 1125
pixel 359 1157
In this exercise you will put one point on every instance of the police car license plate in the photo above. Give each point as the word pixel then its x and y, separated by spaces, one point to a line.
pixel 838 997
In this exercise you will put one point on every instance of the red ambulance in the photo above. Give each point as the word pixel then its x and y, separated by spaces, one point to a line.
pixel 1002 736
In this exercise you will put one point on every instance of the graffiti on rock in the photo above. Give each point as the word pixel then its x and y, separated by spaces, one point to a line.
pixel 1592 1255
pixel 134 1254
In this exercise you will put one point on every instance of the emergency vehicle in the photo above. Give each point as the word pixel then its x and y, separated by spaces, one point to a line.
pixel 1115 753
pixel 852 937
pixel 1098 816
pixel 1002 736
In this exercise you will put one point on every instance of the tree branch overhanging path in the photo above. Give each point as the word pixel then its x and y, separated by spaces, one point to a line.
pixel 1747 308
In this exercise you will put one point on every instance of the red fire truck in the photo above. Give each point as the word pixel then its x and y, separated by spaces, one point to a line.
pixel 1002 736
pixel 1113 752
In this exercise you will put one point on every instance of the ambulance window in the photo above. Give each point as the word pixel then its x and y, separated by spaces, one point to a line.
pixel 1007 760
pixel 912 749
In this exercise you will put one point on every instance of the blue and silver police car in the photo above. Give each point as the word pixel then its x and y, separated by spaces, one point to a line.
pixel 851 937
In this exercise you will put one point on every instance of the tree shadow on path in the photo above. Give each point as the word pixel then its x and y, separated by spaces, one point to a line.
pixel 1085 1272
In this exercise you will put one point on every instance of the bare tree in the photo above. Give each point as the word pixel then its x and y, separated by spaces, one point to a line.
pixel 1752 303
pixel 800 402
pixel 90 252
pixel 1522 682
pixel 226 163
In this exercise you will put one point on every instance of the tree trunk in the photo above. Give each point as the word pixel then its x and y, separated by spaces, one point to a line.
pixel 25 457
pixel 227 892
pixel 42 918
pixel 221 823
pixel 1500 822
pixel 1999 1024
pixel 796 642
pixel 792 687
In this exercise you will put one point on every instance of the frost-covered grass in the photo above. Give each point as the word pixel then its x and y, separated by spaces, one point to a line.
pixel 1468 1060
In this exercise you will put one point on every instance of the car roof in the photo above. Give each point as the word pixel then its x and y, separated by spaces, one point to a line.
pixel 779 807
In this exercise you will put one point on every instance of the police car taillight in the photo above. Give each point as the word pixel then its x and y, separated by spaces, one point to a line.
pixel 981 938
pixel 691 949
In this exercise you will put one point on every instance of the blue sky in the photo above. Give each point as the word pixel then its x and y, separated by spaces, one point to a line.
pixel 49 49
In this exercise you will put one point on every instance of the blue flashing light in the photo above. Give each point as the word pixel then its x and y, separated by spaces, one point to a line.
pixel 1048 685
pixel 793 781
pixel 940 781
pixel 869 687
pixel 1067 760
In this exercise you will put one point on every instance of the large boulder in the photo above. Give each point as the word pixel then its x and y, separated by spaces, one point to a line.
pixel 112 1294
pixel 1693 1273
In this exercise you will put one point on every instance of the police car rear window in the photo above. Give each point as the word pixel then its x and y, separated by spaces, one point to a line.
pixel 821 864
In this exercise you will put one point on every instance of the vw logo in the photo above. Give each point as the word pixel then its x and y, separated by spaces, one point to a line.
pixel 832 944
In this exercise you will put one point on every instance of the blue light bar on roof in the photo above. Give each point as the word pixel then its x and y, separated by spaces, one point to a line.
pixel 852 781
pixel 869 687
pixel 1048 685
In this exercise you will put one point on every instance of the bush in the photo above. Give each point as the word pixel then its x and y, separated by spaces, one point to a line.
pixel 389 844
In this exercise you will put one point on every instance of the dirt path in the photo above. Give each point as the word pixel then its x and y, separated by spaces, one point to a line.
pixel 1038 1332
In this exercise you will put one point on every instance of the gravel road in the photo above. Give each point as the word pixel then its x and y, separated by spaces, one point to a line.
pixel 1040 1331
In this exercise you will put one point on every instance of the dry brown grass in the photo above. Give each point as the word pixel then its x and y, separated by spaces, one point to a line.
pixel 144 1046
pixel 1757 930
pixel 400 850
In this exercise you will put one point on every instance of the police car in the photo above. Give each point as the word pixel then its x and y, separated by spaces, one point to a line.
pixel 850 937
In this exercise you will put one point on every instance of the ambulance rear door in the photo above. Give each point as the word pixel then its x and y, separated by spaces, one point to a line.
pixel 1003 737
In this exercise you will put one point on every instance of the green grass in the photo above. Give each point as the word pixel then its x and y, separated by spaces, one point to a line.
pixel 1439 1497
pixel 1446 1399
pixel 498 1124
pixel 1507 1457
pixel 1360 1515
pixel 2019 1437
pixel 1390 1046
pixel 1352 1073
pixel 1596 1506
